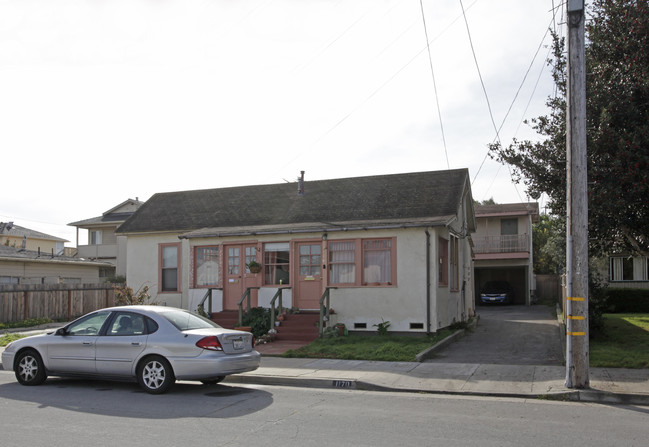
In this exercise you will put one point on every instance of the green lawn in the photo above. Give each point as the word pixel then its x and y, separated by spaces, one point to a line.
pixel 392 348
pixel 625 343
pixel 8 338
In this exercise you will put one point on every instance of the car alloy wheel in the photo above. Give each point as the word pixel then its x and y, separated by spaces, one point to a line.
pixel 30 369
pixel 155 375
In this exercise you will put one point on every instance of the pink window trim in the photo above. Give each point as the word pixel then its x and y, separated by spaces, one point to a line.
pixel 192 267
pixel 359 260
pixel 442 249
pixel 160 248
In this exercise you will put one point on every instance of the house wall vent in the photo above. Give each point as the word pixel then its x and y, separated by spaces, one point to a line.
pixel 360 325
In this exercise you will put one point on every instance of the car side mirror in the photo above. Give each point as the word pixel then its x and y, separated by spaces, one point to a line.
pixel 61 331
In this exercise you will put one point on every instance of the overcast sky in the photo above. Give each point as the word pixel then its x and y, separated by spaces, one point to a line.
pixel 101 101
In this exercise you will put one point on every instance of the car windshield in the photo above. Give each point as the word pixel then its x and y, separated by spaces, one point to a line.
pixel 185 321
pixel 496 287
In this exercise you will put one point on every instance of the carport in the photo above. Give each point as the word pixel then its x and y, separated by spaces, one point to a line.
pixel 516 276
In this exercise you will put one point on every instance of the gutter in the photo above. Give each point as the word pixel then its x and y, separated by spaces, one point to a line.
pixel 427 282
pixel 312 230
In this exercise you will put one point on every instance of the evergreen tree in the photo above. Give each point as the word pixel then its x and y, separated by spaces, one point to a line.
pixel 617 59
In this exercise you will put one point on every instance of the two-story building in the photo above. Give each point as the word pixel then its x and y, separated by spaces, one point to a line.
pixel 503 247
pixel 103 244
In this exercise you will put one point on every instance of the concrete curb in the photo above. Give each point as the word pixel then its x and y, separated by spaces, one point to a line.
pixel 430 352
pixel 585 396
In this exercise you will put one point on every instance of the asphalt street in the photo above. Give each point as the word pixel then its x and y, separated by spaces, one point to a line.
pixel 66 412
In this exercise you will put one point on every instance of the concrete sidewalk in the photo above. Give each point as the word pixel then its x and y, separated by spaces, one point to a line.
pixel 608 385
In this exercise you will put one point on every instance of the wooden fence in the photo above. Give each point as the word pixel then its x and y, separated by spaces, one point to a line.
pixel 548 289
pixel 58 302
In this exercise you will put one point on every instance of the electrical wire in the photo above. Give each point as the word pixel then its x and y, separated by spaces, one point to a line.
pixel 432 72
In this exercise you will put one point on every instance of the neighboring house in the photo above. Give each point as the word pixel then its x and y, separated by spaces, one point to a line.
pixel 503 247
pixel 15 236
pixel 626 271
pixel 388 247
pixel 103 244
pixel 20 266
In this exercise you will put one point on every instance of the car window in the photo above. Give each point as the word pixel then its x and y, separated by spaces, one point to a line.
pixel 126 323
pixel 88 325
pixel 185 320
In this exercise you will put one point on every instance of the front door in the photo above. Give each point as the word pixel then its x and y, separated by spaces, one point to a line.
pixel 308 287
pixel 238 276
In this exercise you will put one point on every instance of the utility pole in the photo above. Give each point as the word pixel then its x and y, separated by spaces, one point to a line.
pixel 577 356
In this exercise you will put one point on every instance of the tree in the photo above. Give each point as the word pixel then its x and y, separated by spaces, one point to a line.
pixel 549 244
pixel 617 125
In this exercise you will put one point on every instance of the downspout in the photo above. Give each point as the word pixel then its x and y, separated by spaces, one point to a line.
pixel 427 282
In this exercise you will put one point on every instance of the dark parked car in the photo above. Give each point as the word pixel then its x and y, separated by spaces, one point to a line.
pixel 497 292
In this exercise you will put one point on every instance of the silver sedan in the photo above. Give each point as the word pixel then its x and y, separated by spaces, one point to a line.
pixel 154 345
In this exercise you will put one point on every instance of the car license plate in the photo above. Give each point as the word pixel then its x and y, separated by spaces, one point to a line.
pixel 492 299
pixel 237 343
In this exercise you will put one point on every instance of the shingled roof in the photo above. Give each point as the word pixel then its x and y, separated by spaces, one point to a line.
pixel 424 197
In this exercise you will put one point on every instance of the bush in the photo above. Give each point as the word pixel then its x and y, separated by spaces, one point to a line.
pixel 620 300
pixel 258 319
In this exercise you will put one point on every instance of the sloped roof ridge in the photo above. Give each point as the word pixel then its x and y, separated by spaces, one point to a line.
pixel 387 196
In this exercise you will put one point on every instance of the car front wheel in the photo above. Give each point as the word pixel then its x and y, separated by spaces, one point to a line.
pixel 155 375
pixel 30 369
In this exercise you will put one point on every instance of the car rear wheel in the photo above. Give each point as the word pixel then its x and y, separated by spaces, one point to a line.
pixel 30 369
pixel 155 375
pixel 213 381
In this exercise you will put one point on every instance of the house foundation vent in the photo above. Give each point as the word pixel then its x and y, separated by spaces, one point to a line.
pixel 360 325
pixel 415 326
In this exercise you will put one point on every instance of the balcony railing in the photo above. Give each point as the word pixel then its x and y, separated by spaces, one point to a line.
pixel 514 243
pixel 97 251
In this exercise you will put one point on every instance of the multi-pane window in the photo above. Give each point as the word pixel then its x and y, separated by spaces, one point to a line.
pixel 455 263
pixel 276 263
pixel 310 259
pixel 342 263
pixel 251 255
pixel 377 261
pixel 442 274
pixel 169 263
pixel 362 262
pixel 233 260
pixel 629 269
pixel 206 266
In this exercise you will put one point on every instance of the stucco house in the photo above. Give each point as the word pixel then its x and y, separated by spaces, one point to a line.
pixel 103 244
pixel 22 266
pixel 386 247
pixel 503 247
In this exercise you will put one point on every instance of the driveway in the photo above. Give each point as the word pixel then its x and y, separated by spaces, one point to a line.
pixel 508 335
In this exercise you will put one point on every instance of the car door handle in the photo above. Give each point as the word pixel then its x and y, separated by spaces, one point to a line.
pixel 136 343
pixel 87 343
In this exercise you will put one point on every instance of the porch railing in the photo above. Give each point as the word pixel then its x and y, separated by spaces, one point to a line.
pixel 207 297
pixel 280 308
pixel 245 295
pixel 324 310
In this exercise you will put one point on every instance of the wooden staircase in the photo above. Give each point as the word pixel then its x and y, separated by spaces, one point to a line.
pixel 227 319
pixel 295 327
pixel 299 327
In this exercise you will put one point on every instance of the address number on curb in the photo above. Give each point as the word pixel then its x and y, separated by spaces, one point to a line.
pixel 342 383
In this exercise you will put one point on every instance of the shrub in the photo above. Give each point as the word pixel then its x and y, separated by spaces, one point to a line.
pixel 258 319
pixel 620 300
pixel 124 295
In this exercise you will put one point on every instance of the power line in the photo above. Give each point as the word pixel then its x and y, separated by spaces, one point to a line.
pixel 432 72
